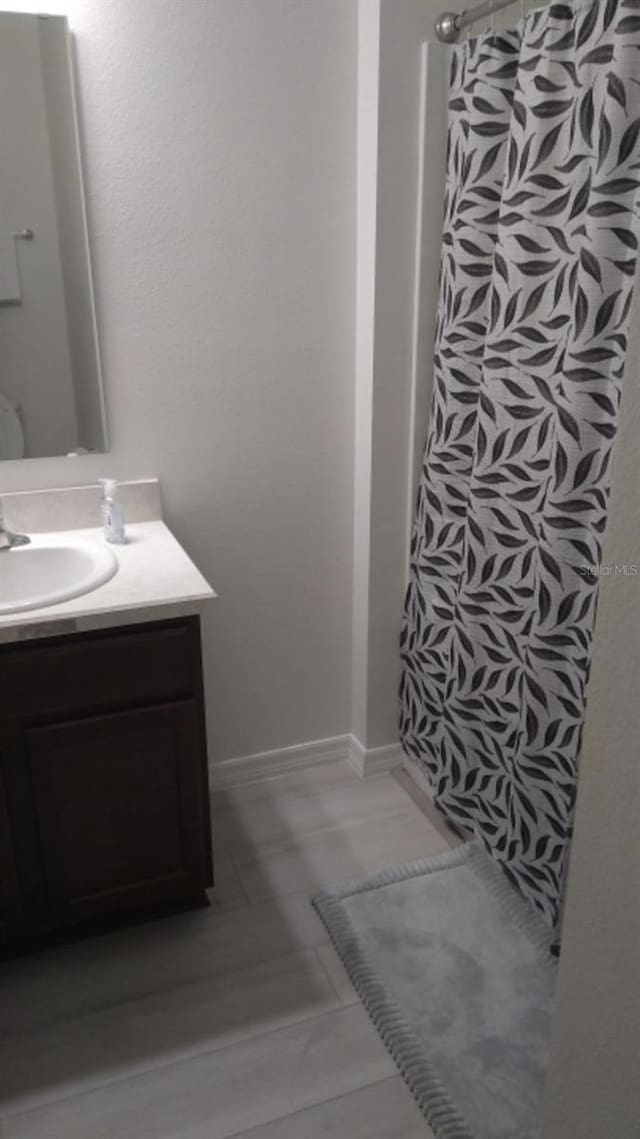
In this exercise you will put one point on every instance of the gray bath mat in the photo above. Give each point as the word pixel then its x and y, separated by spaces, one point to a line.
pixel 455 971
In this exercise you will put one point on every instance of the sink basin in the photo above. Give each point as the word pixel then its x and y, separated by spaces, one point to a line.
pixel 51 569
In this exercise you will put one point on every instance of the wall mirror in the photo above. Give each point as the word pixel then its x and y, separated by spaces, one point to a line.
pixel 51 400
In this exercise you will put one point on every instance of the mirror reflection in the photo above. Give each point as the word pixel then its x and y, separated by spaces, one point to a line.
pixel 50 385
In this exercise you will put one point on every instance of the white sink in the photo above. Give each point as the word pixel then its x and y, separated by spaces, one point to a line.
pixel 52 568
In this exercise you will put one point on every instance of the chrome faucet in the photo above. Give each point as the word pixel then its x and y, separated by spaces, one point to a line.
pixel 7 539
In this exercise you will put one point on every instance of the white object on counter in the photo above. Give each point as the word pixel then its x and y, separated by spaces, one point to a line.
pixel 112 513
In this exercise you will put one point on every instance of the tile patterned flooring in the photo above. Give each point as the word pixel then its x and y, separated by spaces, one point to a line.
pixel 233 1021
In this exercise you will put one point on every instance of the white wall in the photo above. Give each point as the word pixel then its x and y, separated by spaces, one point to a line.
pixel 220 143
pixel 392 33
pixel 366 257
pixel 594 1082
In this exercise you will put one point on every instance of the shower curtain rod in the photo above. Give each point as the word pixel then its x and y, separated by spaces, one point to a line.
pixel 450 24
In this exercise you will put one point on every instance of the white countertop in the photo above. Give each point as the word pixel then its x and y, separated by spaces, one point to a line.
pixel 155 579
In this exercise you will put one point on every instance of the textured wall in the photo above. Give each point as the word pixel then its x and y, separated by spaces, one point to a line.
pixel 220 163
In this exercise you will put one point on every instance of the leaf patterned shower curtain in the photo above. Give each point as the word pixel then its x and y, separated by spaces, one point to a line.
pixel 538 264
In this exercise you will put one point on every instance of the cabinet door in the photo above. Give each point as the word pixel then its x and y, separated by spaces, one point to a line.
pixel 10 901
pixel 120 810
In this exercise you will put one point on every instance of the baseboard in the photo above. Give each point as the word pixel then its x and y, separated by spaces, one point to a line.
pixel 374 760
pixel 414 772
pixel 264 764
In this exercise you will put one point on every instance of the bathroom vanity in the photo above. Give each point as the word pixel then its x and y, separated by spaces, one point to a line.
pixel 103 777
pixel 104 811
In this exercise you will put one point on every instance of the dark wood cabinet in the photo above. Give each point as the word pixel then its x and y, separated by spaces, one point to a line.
pixel 104 810
pixel 11 916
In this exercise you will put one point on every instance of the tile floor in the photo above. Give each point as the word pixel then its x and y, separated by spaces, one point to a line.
pixel 233 1021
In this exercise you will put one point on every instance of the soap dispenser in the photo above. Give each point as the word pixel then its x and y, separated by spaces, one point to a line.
pixel 112 513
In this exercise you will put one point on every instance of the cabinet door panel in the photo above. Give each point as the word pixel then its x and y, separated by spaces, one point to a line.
pixel 10 901
pixel 119 807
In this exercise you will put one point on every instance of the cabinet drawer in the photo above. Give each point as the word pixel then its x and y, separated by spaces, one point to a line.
pixel 101 670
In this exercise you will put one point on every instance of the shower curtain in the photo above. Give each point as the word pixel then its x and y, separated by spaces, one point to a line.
pixel 537 273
